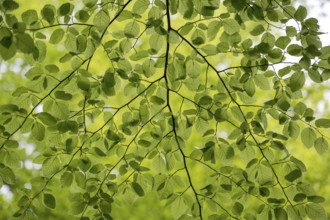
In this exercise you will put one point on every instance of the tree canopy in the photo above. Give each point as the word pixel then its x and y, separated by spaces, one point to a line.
pixel 195 107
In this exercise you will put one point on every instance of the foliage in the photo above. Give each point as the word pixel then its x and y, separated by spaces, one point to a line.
pixel 192 101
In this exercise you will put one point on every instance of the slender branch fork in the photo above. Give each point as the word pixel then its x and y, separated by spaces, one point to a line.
pixel 168 103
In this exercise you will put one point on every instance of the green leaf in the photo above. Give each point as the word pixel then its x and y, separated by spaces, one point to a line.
pixel 90 3
pixel 48 13
pixel 257 30
pixel 140 6
pixel 50 166
pixel 293 175
pixel 295 50
pixel 82 16
pixel 237 114
pixel 157 100
pixel 299 197
pixel 46 118
pixel 144 113
pixel 68 125
pixel 132 29
pixel 8 108
pixel 237 208
pixel 97 168
pixel 315 75
pixel 144 143
pixel 315 211
pixel 24 42
pixel 57 36
pixel 209 50
pixel 137 189
pixel 220 115
pixel 293 130
pixel 83 83
pixel 66 179
pixel 7 175
pixel 322 123
pixel 231 26
pixel 71 43
pixel 139 55
pixel 30 16
pixel 205 100
pixel 63 95
pixel 305 63
pixel 261 81
pixel 301 13
pixel 186 8
pixel 198 37
pixel 56 108
pixel 158 164
pixel 193 69
pixel 11 144
pixel 315 199
pixel 38 131
pixel 297 81
pixel 173 6
pixel 308 137
pixel 213 29
pixel 321 145
pixel 52 68
pixel 101 20
pixel 10 5
pixel 65 9
pixel 156 43
pixel 280 214
pixel 49 201
pixel 249 87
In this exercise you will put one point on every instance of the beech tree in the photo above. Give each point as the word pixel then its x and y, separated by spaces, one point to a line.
pixel 199 102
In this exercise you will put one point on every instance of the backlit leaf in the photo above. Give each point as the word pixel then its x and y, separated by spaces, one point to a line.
pixel 308 137
pixel 231 26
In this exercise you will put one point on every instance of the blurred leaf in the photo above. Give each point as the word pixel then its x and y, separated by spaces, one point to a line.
pixel 231 26
pixel 49 201
pixel 293 175
pixel 137 189
pixel 308 137
pixel 322 123
pixel 315 211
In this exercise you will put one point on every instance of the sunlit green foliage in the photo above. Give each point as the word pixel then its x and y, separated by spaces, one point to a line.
pixel 191 101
